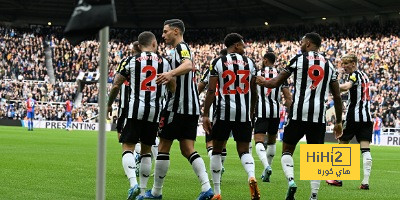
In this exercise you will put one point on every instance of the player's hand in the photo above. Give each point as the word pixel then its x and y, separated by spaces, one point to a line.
pixel 164 78
pixel 207 125
pixel 109 112
pixel 287 105
pixel 338 130
pixel 260 80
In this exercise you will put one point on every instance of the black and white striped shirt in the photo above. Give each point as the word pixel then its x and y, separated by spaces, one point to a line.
pixel 205 79
pixel 312 77
pixel 269 98
pixel 123 98
pixel 124 91
pixel 145 99
pixel 359 101
pixel 234 73
pixel 186 98
pixel 206 76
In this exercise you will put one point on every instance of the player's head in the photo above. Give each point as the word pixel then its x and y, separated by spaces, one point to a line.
pixel 136 48
pixel 173 30
pixel 223 52
pixel 310 42
pixel 147 41
pixel 234 43
pixel 269 59
pixel 30 95
pixel 349 63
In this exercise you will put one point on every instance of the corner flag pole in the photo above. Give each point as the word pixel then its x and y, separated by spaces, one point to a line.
pixel 101 155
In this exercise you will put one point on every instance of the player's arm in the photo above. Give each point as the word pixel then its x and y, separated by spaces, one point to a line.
pixel 254 96
pixel 335 89
pixel 185 67
pixel 201 86
pixel 171 85
pixel 288 97
pixel 282 76
pixel 203 81
pixel 349 83
pixel 275 82
pixel 346 86
pixel 118 81
pixel 210 96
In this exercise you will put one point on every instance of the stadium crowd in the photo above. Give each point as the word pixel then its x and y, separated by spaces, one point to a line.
pixel 22 57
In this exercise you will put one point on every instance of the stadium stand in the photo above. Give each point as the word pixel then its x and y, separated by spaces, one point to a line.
pixel 22 58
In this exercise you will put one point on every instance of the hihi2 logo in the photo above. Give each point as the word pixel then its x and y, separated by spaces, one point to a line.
pixel 329 162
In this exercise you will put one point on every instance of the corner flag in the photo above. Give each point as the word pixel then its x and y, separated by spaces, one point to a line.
pixel 88 18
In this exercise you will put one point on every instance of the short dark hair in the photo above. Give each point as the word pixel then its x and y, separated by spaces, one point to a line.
pixel 176 23
pixel 136 47
pixel 223 52
pixel 315 38
pixel 270 56
pixel 232 38
pixel 145 38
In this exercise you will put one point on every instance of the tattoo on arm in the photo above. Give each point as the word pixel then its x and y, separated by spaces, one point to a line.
pixel 118 81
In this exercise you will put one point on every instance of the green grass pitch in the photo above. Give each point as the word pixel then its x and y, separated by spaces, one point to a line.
pixel 57 164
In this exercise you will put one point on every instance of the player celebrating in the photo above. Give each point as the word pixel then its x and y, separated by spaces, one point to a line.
pixel 180 119
pixel 358 118
pixel 235 75
pixel 267 114
pixel 209 143
pixel 123 105
pixel 314 78
pixel 30 109
pixel 144 107
pixel 124 92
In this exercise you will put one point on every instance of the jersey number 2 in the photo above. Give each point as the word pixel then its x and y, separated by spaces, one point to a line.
pixel 146 86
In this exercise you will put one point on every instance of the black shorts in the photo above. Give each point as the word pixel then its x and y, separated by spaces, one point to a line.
pixel 181 127
pixel 139 130
pixel 241 131
pixel 264 125
pixel 295 130
pixel 209 136
pixel 362 131
pixel 121 119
